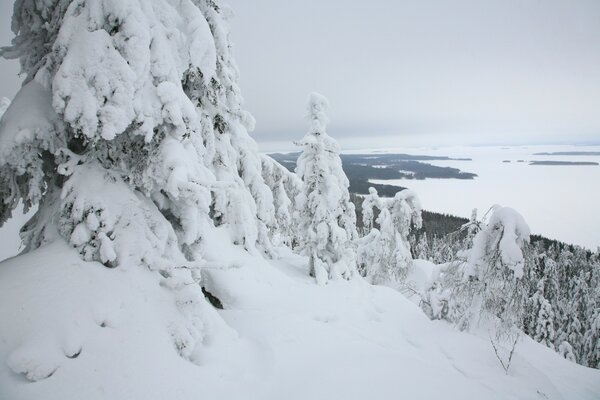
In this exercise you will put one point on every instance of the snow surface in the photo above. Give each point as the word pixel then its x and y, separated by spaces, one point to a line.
pixel 559 202
pixel 80 330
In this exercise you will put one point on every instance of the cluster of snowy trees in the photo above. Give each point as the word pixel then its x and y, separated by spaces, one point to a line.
pixel 560 288
pixel 563 311
pixel 130 140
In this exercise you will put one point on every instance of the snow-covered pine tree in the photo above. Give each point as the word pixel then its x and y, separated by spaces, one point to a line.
pixel 543 326
pixel 128 134
pixel 384 254
pixel 422 250
pixel 370 202
pixel 405 209
pixel 488 285
pixel 286 187
pixel 566 350
pixel 328 217
pixel 471 228
pixel 591 339
pixel 241 199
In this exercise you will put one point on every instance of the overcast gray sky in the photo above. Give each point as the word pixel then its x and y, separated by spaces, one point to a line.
pixel 427 72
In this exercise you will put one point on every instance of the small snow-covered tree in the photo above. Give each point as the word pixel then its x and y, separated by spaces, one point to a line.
pixel 566 350
pixel 488 286
pixel 405 209
pixel 384 255
pixel 422 248
pixel 591 341
pixel 543 326
pixel 286 187
pixel 328 217
pixel 370 202
pixel 471 228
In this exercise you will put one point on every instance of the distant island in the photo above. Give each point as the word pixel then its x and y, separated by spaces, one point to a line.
pixel 361 167
pixel 563 163
pixel 569 153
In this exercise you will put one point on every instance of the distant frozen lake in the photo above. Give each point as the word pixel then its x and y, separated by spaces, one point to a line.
pixel 558 201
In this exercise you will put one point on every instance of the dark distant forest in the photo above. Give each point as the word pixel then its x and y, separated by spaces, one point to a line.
pixel 359 168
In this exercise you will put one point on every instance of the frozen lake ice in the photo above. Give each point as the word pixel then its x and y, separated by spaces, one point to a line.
pixel 558 201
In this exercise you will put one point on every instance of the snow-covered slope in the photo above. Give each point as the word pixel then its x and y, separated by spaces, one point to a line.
pixel 84 331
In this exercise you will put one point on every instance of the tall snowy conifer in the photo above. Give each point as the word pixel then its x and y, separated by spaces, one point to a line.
pixel 130 137
pixel 241 199
pixel 543 325
pixel 328 215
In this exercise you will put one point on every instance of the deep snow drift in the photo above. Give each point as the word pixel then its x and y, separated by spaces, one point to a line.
pixel 75 329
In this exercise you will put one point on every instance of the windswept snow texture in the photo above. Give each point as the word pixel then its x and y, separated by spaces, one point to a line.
pixel 77 330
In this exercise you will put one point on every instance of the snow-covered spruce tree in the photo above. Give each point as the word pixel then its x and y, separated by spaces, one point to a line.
pixel 591 341
pixel 542 326
pixel 471 228
pixel 241 199
pixel 488 287
pixel 328 217
pixel 128 134
pixel 370 202
pixel 384 255
pixel 422 248
pixel 286 187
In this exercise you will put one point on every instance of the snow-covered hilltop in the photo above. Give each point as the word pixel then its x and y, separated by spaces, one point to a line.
pixel 168 259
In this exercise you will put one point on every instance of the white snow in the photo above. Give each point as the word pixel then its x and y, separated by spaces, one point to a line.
pixel 107 333
pixel 28 117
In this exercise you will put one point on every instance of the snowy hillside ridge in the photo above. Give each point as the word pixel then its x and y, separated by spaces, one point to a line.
pixel 106 334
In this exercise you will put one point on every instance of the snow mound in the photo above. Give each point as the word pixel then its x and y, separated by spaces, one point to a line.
pixel 84 331
pixel 29 117
pixel 514 232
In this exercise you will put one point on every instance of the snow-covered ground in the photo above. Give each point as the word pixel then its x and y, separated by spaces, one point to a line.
pixel 104 334
pixel 560 202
